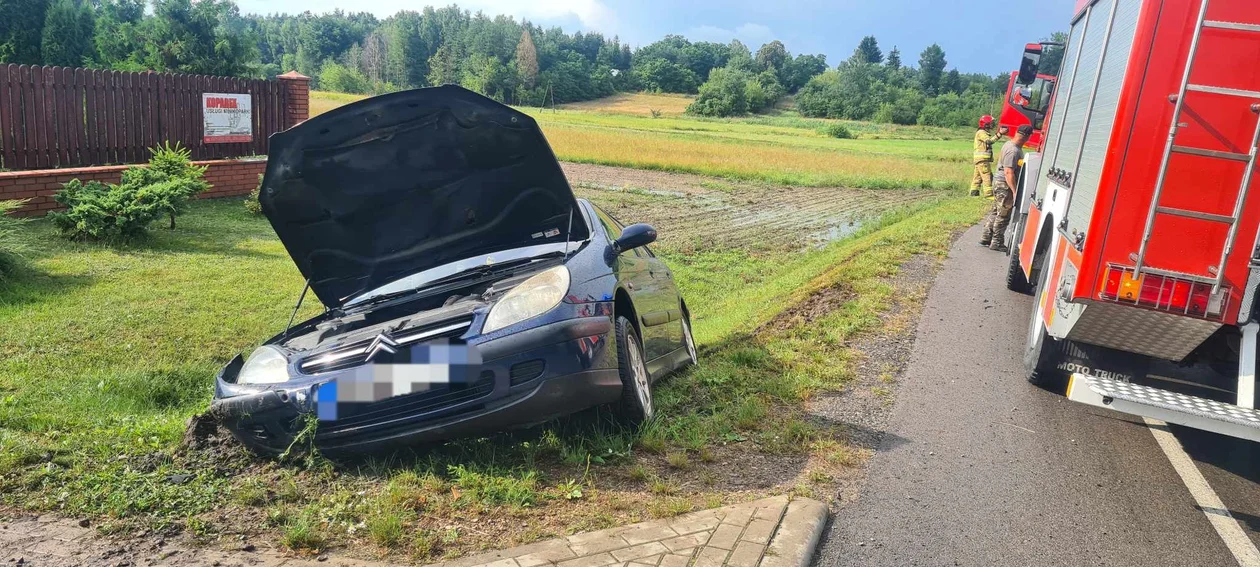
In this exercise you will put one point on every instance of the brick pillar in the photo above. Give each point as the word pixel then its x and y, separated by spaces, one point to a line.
pixel 297 89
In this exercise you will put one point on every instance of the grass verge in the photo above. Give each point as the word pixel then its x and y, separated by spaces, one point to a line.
pixel 106 351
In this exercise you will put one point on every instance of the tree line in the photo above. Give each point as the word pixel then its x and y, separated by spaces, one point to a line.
pixel 511 61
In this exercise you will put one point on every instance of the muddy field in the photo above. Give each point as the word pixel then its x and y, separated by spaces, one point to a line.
pixel 694 212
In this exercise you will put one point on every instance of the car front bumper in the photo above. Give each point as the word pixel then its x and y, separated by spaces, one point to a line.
pixel 578 371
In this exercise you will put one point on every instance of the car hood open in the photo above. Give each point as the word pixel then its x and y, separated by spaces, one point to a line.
pixel 391 185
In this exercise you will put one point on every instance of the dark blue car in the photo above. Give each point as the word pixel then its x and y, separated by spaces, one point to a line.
pixel 466 289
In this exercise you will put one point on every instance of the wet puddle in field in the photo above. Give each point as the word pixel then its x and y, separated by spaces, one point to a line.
pixel 690 215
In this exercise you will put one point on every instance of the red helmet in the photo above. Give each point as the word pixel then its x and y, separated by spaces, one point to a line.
pixel 986 122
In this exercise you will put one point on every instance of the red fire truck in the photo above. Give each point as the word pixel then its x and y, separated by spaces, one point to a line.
pixel 1028 95
pixel 1137 230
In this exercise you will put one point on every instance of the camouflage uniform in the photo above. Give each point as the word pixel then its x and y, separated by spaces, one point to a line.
pixel 994 235
pixel 982 156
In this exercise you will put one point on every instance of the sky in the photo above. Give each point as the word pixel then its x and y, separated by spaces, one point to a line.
pixel 970 31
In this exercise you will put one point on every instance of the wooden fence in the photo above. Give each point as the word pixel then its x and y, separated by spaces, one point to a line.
pixel 64 117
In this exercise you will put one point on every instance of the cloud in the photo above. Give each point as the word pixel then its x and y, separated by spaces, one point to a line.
pixel 753 35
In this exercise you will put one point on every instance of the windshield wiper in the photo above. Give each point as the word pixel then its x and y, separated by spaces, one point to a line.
pixel 471 273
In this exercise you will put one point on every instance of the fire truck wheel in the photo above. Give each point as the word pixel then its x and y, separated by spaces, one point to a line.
pixel 1015 279
pixel 1044 352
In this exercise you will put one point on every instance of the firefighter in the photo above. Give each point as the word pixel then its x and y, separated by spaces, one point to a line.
pixel 982 155
pixel 1009 163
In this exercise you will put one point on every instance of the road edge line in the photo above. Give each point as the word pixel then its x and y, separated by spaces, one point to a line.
pixel 1226 526
pixel 798 534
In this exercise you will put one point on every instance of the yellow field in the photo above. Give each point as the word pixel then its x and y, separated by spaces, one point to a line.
pixel 776 163
pixel 323 101
pixel 783 148
pixel 636 103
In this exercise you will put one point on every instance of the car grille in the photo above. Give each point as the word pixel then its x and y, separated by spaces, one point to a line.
pixel 523 372
pixel 355 354
pixel 400 407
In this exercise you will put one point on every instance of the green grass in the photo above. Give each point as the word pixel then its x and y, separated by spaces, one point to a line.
pixel 105 351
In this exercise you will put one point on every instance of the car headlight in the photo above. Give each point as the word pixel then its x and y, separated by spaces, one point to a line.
pixel 531 298
pixel 266 365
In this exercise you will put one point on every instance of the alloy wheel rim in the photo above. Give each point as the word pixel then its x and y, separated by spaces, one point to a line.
pixel 691 341
pixel 641 385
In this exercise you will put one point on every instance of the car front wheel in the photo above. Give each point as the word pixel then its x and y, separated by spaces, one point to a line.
pixel 636 388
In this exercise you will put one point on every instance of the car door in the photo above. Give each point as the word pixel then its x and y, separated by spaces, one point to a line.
pixel 633 268
pixel 665 303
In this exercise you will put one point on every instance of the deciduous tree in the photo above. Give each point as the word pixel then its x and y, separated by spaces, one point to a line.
pixel 527 60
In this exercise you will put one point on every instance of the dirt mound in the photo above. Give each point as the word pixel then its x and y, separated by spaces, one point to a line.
pixel 813 308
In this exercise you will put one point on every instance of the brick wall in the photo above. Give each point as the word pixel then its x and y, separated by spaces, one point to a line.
pixel 227 178
pixel 298 97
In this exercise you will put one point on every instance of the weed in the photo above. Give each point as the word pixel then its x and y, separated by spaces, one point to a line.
pixel 669 507
pixel 494 487
pixel 663 486
pixel 385 527
pixel 678 460
pixel 570 490
pixel 279 515
pixel 301 532
pixel 639 473
pixel 819 477
pixel 424 544
pixel 251 492
pixel 749 413
pixel 842 456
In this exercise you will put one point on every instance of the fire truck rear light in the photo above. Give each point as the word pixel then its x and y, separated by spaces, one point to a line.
pixel 1162 292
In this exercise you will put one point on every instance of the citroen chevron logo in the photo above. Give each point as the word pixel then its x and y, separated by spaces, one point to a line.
pixel 382 343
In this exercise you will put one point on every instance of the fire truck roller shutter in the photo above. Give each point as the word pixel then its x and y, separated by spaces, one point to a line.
pixel 1102 119
pixel 1062 100
pixel 1073 115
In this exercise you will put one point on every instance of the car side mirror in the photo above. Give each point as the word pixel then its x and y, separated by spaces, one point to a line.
pixel 634 236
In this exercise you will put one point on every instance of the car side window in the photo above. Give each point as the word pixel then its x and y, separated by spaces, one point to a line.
pixel 613 228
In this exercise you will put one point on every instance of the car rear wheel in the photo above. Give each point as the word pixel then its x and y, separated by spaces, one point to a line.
pixel 689 340
pixel 636 385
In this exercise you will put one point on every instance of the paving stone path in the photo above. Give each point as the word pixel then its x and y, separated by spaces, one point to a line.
pixel 772 532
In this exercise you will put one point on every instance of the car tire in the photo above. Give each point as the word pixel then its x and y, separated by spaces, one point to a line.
pixel 636 404
pixel 1015 279
pixel 689 341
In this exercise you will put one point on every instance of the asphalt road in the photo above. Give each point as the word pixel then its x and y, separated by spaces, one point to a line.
pixel 978 467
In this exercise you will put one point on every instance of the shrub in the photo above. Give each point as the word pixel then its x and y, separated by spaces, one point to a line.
pixel 12 244
pixel 96 210
pixel 724 94
pixel 251 202
pixel 838 131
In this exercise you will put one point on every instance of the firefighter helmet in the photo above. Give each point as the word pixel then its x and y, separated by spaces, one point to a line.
pixel 986 122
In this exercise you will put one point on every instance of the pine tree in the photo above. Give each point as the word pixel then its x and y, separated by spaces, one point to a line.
pixel 21 23
pixel 931 67
pixel 868 51
pixel 67 36
pixel 894 59
pixel 527 60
